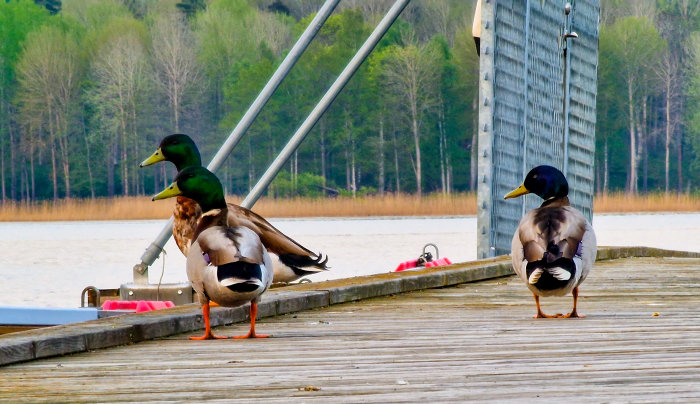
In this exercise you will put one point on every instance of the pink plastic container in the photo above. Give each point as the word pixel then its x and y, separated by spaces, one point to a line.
pixel 414 263
pixel 138 306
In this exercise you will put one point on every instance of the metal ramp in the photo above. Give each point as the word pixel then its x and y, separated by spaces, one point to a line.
pixel 537 93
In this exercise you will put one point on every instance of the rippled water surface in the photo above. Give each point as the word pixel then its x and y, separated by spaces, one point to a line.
pixel 49 264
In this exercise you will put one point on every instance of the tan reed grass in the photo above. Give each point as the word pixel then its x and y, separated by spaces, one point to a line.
pixel 119 208
pixel 133 208
pixel 141 207
pixel 389 205
pixel 657 202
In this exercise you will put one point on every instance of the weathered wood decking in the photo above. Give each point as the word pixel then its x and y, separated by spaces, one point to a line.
pixel 474 341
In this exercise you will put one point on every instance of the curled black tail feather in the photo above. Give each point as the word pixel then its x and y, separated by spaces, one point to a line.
pixel 300 262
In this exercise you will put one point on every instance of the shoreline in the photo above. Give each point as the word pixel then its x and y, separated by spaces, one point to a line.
pixel 342 218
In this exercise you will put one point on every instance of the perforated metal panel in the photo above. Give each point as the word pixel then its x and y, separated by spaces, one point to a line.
pixel 538 95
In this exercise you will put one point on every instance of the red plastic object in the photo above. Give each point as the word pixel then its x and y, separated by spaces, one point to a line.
pixel 414 263
pixel 406 265
pixel 438 262
pixel 137 305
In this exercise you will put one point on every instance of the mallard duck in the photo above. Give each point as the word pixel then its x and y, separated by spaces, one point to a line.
pixel 292 260
pixel 554 246
pixel 225 264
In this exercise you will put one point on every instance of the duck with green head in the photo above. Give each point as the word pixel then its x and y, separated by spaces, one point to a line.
pixel 554 247
pixel 225 264
pixel 292 260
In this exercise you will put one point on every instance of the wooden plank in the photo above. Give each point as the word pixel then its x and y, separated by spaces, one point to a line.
pixel 470 342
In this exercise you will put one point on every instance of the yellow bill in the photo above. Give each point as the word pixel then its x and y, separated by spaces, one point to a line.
pixel 155 157
pixel 168 192
pixel 521 190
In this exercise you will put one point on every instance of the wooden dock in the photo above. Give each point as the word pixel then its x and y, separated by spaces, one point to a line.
pixel 640 342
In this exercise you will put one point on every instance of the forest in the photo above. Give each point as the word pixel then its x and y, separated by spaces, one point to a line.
pixel 88 89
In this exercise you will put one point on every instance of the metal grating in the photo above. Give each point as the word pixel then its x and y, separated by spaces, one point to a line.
pixel 521 118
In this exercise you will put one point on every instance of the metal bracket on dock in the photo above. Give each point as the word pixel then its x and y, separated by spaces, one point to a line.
pixel 178 293
pixel 93 297
pixel 141 273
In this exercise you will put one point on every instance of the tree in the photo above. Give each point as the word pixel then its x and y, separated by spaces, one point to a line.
pixel 17 19
pixel 411 73
pixel 175 65
pixel 636 42
pixel 466 86
pixel 345 33
pixel 610 113
pixel 243 84
pixel 376 61
pixel 677 18
pixel 224 36
pixel 693 93
pixel 668 73
pixel 119 72
pixel 48 76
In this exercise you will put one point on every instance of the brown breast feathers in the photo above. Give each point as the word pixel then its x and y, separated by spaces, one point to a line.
pixel 186 214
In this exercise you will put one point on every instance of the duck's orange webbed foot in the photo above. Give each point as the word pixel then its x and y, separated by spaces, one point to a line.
pixel 540 314
pixel 251 333
pixel 574 313
pixel 207 335
pixel 207 326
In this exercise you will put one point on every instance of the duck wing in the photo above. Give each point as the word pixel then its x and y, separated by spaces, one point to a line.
pixel 589 251
pixel 292 254
pixel 289 251
pixel 224 245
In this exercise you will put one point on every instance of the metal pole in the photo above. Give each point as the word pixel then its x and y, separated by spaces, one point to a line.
pixel 323 104
pixel 567 76
pixel 154 250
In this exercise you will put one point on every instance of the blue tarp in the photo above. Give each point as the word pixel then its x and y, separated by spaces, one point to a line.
pixel 44 316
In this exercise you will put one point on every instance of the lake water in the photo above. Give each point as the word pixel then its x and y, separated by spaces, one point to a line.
pixel 49 264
